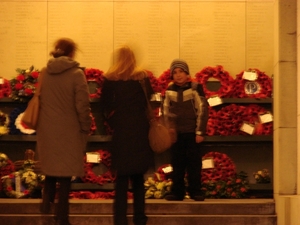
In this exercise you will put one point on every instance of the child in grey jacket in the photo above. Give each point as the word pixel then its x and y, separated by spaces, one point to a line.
pixel 186 106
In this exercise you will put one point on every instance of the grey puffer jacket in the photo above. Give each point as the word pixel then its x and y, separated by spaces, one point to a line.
pixel 187 107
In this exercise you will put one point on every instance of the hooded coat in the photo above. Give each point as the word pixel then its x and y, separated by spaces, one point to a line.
pixel 64 118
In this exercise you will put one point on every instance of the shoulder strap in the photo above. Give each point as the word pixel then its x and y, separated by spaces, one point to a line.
pixel 150 113
pixel 38 89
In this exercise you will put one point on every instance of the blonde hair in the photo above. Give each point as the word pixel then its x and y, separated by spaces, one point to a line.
pixel 124 66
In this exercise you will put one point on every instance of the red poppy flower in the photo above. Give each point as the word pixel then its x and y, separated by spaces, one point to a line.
pixel 18 86
pixel 238 181
pixel 9 188
pixel 213 193
pixel 28 91
pixel 243 189
pixel 20 77
pixel 35 74
pixel 229 189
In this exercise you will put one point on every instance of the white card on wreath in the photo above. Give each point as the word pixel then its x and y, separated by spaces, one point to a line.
pixel 1 80
pixel 266 118
pixel 208 163
pixel 213 101
pixel 250 75
pixel 247 128
pixel 93 157
pixel 167 169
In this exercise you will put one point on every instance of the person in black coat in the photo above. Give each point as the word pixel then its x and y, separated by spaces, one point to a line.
pixel 124 99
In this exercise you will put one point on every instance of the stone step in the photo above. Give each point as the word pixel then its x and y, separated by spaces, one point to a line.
pixel 85 219
pixel 92 212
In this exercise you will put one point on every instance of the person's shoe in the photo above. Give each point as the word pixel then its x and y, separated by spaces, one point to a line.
pixel 172 197
pixel 198 198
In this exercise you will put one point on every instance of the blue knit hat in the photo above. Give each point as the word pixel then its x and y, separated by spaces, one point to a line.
pixel 179 63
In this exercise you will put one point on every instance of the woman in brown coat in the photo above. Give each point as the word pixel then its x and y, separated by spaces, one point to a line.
pixel 122 93
pixel 63 125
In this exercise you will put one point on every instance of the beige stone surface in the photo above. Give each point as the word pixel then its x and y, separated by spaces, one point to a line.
pixel 285 162
pixel 287 209
pixel 285 95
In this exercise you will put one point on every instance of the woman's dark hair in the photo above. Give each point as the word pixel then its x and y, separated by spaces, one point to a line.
pixel 64 47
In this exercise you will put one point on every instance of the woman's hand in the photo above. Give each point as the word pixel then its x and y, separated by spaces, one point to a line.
pixel 199 138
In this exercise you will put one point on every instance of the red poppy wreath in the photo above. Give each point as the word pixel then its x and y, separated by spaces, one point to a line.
pixel 230 119
pixel 163 81
pixel 259 87
pixel 254 111
pixel 218 73
pixel 224 168
pixel 163 173
pixel 153 81
pixel 91 177
pixel 95 75
pixel 212 125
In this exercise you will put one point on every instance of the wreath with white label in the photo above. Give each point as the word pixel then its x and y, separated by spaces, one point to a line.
pixel 230 119
pixel 163 173
pixel 260 87
pixel 91 177
pixel 223 169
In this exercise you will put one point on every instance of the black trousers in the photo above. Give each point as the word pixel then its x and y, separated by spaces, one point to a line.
pixel 120 201
pixel 62 207
pixel 186 159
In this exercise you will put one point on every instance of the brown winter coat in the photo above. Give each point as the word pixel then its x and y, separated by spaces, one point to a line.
pixel 64 119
